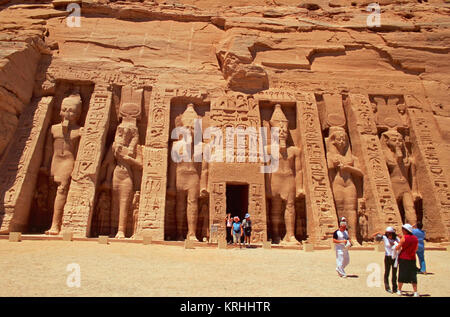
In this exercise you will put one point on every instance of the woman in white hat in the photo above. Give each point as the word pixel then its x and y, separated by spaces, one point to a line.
pixel 407 259
pixel 389 239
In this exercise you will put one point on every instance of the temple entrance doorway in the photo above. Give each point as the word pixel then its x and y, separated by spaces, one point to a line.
pixel 237 200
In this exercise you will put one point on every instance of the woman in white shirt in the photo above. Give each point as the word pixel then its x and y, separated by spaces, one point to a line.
pixel 389 239
pixel 341 243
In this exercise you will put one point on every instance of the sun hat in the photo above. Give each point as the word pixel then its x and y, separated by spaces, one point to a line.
pixel 390 230
pixel 247 215
pixel 408 227
pixel 342 223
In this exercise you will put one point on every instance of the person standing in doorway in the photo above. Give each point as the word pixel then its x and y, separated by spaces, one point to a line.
pixel 407 259
pixel 229 224
pixel 237 231
pixel 341 243
pixel 420 234
pixel 247 226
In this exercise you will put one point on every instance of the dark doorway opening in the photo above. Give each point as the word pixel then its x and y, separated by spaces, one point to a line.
pixel 237 200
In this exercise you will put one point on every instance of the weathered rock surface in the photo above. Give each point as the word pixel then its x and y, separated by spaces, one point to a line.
pixel 269 48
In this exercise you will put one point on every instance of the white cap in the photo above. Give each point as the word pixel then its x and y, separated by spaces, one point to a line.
pixel 408 227
pixel 390 229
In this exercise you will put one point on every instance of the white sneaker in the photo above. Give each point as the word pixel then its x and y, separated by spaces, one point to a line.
pixel 399 293
pixel 416 294
pixel 339 273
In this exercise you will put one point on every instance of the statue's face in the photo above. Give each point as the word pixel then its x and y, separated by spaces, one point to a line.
pixel 190 126
pixel 374 107
pixel 70 110
pixel 340 140
pixel 401 109
pixel 394 140
pixel 124 135
pixel 283 129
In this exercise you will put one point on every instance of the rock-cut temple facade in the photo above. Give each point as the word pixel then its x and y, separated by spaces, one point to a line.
pixel 161 117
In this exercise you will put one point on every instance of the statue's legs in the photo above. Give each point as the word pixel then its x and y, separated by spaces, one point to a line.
pixel 346 201
pixel 363 230
pixel 180 213
pixel 408 206
pixel 122 193
pixel 275 217
pixel 339 200
pixel 350 214
pixel 350 206
pixel 192 212
pixel 289 219
pixel 58 209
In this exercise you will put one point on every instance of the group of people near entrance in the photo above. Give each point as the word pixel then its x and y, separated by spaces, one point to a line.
pixel 400 251
pixel 236 230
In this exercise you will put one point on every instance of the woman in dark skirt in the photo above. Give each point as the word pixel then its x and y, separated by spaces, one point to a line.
pixel 407 259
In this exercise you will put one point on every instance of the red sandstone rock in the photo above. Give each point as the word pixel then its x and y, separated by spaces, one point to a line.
pixel 318 59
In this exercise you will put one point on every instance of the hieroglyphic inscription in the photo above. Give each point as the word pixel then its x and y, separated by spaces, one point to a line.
pixel 217 209
pixel 321 212
pixel 99 76
pixel 240 112
pixel 80 198
pixel 257 212
pixel 276 95
pixel 366 145
pixel 154 173
pixel 21 164
pixel 433 178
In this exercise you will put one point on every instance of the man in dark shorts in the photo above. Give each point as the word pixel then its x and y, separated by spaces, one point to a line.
pixel 247 225
pixel 407 259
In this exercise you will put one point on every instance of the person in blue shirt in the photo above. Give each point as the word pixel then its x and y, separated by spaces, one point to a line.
pixel 236 231
pixel 420 234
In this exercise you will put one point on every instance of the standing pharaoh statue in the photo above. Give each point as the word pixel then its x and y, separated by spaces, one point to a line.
pixel 402 170
pixel 343 168
pixel 62 140
pixel 286 183
pixel 125 155
pixel 362 220
pixel 185 175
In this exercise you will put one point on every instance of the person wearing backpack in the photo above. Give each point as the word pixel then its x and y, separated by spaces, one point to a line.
pixel 247 226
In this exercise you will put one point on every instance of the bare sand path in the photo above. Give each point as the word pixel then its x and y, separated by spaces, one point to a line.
pixel 38 268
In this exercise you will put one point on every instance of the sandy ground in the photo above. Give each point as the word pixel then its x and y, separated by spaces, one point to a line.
pixel 38 268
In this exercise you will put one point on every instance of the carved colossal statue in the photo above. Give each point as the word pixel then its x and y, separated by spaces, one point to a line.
pixel 343 167
pixel 402 170
pixel 286 183
pixel 362 220
pixel 61 148
pixel 125 153
pixel 185 176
